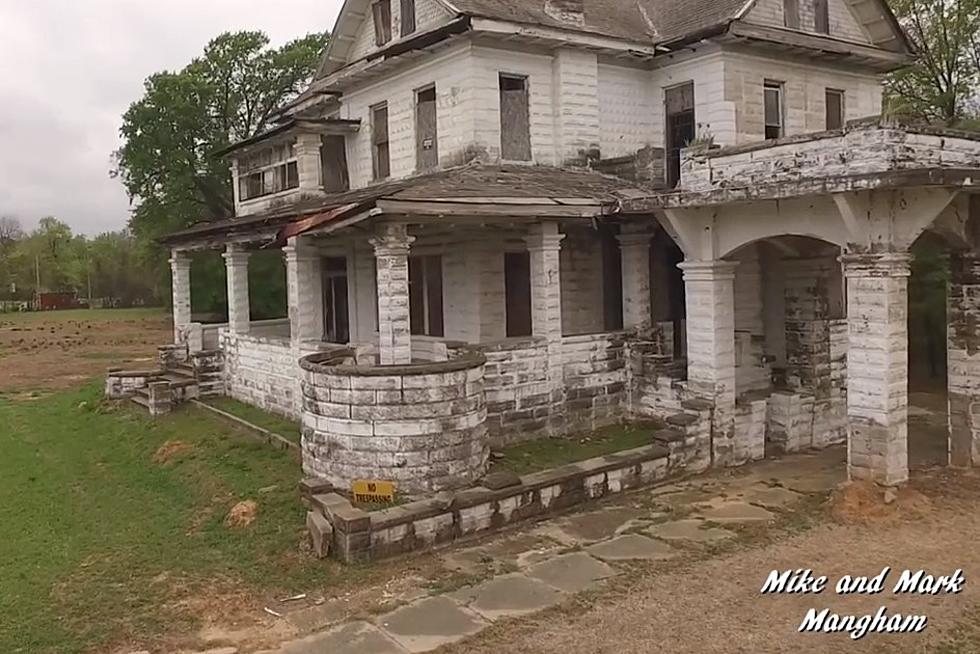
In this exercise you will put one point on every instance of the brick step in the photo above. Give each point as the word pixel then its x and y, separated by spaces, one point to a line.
pixel 142 392
pixel 178 379
pixel 141 400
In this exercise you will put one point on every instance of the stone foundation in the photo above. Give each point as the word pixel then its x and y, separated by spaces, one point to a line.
pixel 422 425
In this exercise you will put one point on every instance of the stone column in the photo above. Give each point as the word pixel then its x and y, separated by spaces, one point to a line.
pixel 391 245
pixel 963 359
pixel 710 294
pixel 544 246
pixel 307 151
pixel 635 251
pixel 180 272
pixel 239 313
pixel 304 291
pixel 877 366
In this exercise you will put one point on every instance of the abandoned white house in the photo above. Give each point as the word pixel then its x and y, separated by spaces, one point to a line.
pixel 503 220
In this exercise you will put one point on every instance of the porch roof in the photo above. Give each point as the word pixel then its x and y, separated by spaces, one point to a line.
pixel 474 189
pixel 865 155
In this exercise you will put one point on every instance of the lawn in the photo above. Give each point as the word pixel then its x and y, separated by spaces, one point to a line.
pixel 288 429
pixel 545 453
pixel 104 543
pixel 80 315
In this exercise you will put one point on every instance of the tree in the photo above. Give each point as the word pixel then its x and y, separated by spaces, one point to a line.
pixel 940 85
pixel 10 230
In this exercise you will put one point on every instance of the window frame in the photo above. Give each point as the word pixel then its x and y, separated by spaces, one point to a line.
pixel 842 107
pixel 435 127
pixel 381 17
pixel 791 14
pixel 779 88
pixel 525 81
pixel 276 171
pixel 821 16
pixel 425 280
pixel 408 9
pixel 379 145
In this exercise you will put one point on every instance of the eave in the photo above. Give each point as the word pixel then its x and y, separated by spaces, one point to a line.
pixel 291 127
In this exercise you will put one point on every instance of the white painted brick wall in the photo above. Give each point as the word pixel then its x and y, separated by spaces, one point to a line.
pixel 263 372
pixel 581 283
pixel 629 117
pixel 713 108
pixel 576 102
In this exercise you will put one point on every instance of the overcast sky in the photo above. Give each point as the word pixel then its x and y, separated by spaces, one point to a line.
pixel 70 68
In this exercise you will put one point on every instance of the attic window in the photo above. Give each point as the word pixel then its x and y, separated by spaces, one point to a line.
pixel 821 16
pixel 791 13
pixel 382 21
pixel 408 17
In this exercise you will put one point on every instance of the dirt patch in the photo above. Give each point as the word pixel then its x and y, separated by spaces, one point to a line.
pixel 865 502
pixel 242 515
pixel 166 452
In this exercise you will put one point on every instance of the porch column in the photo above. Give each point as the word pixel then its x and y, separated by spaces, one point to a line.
pixel 391 245
pixel 877 366
pixel 544 247
pixel 710 297
pixel 635 254
pixel 239 313
pixel 307 151
pixel 304 291
pixel 180 272
pixel 963 359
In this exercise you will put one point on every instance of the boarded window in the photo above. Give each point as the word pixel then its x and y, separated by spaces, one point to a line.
pixel 408 17
pixel 379 138
pixel 336 318
pixel 821 16
pixel 515 119
pixel 517 290
pixel 382 21
pixel 333 164
pixel 773 93
pixel 835 109
pixel 425 295
pixel 791 13
pixel 426 137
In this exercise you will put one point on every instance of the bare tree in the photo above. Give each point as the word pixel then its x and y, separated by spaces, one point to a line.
pixel 10 230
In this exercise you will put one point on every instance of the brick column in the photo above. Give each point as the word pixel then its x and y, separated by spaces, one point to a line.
pixel 304 291
pixel 544 246
pixel 710 294
pixel 180 272
pixel 239 313
pixel 635 251
pixel 307 151
pixel 391 245
pixel 963 359
pixel 877 366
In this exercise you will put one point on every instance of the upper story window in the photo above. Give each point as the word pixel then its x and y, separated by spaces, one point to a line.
pixel 381 155
pixel 773 97
pixel 791 14
pixel 267 171
pixel 382 21
pixel 408 17
pixel 515 118
pixel 821 16
pixel 426 132
pixel 835 108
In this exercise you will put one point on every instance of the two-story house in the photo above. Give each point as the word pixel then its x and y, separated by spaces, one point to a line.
pixel 505 220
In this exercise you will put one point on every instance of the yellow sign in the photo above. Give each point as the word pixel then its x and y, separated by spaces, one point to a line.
pixel 378 492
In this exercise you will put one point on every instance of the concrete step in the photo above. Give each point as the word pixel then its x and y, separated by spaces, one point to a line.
pixel 141 400
pixel 142 392
pixel 178 379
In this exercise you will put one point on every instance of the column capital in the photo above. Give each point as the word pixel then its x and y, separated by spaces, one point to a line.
pixel 884 264
pixel 544 237
pixel 297 251
pixel 179 259
pixel 391 240
pixel 235 254
pixel 708 271
pixel 628 239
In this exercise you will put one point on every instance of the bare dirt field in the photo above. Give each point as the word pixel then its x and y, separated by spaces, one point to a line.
pixel 59 349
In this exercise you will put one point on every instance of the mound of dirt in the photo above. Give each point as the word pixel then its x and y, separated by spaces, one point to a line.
pixel 862 502
pixel 242 515
pixel 169 450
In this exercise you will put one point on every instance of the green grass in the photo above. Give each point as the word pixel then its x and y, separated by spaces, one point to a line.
pixel 546 453
pixel 288 429
pixel 82 315
pixel 99 540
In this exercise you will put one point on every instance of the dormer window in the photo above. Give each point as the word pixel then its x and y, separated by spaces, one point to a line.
pixel 382 21
pixel 408 16
pixel 267 171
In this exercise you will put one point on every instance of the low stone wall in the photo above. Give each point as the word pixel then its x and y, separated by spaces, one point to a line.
pixel 595 370
pixel 360 536
pixel 420 425
pixel 520 398
pixel 120 384
pixel 263 372
pixel 209 372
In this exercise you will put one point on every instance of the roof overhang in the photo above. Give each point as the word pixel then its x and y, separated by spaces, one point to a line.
pixel 290 128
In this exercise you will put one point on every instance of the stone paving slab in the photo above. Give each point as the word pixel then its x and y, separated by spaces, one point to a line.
pixel 771 496
pixel 510 596
pixel 514 551
pixel 598 525
pixel 430 623
pixel 571 572
pixel 632 547
pixel 736 513
pixel 689 530
pixel 352 638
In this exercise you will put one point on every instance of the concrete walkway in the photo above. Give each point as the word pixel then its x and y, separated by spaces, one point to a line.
pixel 546 563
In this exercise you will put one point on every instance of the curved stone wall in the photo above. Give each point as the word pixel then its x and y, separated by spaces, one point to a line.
pixel 421 425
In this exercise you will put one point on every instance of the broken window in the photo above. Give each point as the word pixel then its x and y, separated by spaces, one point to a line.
pixel 382 21
pixel 821 16
pixel 267 171
pixel 791 13
pixel 426 136
pixel 379 136
pixel 336 318
pixel 425 295
pixel 773 94
pixel 333 163
pixel 835 109
pixel 515 119
pixel 517 293
pixel 408 17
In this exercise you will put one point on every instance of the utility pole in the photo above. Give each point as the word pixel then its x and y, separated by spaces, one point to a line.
pixel 37 274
